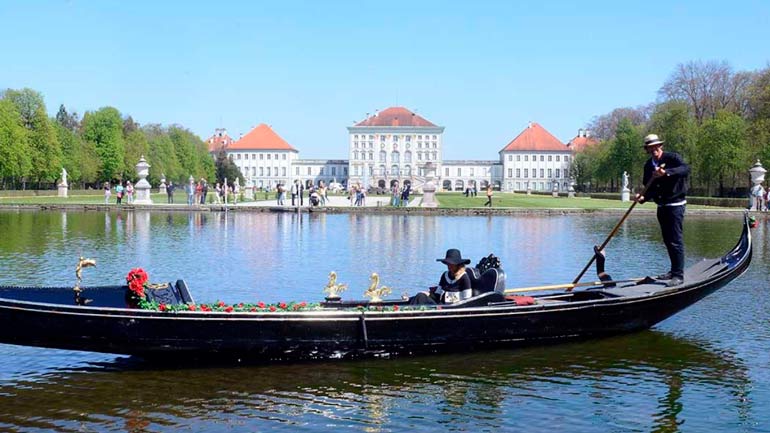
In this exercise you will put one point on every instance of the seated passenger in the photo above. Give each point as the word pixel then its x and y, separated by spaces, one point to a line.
pixel 603 276
pixel 454 284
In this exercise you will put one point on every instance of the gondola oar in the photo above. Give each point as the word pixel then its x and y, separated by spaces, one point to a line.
pixel 614 230
pixel 569 286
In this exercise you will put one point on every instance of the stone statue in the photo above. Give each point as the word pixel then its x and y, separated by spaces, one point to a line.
pixel 63 176
pixel 625 180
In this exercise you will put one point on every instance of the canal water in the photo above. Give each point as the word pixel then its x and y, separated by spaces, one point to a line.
pixel 705 369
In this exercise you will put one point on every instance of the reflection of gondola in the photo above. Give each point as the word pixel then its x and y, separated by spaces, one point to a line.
pixel 272 394
pixel 47 317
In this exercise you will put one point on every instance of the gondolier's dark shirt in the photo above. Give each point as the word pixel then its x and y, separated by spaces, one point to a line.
pixel 672 187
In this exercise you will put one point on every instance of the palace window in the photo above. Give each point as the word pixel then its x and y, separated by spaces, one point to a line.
pixel 309 171
pixel 459 171
pixel 283 171
pixel 394 157
pixel 471 172
pixel 526 158
pixel 446 171
pixel 526 173
pixel 518 172
pixel 558 157
pixel 334 171
pixel 518 157
pixel 261 156
pixel 550 173
pixel 510 172
pixel 407 157
pixel 268 156
pixel 542 158
pixel 542 173
pixel 296 171
pixel 383 156
pixel 268 171
pixel 261 171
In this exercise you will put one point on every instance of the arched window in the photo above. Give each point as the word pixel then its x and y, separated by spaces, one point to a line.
pixel 459 186
pixel 383 156
pixel 407 170
pixel 407 157
pixel 394 170
pixel 394 157
pixel 382 170
pixel 355 155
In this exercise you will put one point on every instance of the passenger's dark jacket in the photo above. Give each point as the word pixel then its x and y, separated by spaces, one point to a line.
pixel 672 187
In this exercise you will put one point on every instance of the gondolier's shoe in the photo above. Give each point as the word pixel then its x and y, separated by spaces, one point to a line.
pixel 675 281
pixel 666 276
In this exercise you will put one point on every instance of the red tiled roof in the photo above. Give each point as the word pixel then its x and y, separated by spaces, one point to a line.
pixel 536 138
pixel 395 116
pixel 261 138
pixel 218 141
pixel 580 142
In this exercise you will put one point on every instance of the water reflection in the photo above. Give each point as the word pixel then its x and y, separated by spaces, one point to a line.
pixel 612 379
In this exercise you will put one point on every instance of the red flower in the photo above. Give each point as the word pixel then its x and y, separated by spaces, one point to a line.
pixel 253 309
pixel 162 307
pixel 303 304
pixel 240 305
pixel 221 303
pixel 191 307
pixel 272 308
pixel 136 280
pixel 229 310
pixel 395 308
pixel 261 305
pixel 282 305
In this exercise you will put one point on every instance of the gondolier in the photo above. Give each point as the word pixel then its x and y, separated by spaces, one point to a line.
pixel 669 191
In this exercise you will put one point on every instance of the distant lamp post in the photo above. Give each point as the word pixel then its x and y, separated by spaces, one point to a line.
pixel 757 177
pixel 142 187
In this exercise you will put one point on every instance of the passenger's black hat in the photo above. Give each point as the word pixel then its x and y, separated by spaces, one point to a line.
pixel 453 257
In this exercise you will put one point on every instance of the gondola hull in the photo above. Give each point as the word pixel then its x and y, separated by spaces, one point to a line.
pixel 39 317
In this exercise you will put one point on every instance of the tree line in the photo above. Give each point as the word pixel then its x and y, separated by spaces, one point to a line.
pixel 717 119
pixel 101 146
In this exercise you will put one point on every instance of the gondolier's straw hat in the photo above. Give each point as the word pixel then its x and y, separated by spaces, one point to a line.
pixel 652 140
pixel 453 257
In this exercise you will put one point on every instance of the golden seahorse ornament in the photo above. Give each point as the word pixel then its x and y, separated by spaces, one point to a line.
pixel 374 293
pixel 333 289
pixel 82 263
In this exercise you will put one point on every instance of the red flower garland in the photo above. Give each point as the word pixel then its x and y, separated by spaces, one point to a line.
pixel 136 280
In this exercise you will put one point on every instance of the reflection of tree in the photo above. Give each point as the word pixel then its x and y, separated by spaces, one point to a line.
pixel 461 389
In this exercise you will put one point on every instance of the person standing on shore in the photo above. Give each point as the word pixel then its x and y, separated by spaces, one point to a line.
pixel 489 195
pixel 170 192
pixel 669 191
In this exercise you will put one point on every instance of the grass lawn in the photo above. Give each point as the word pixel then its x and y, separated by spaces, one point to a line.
pixel 75 198
pixel 509 200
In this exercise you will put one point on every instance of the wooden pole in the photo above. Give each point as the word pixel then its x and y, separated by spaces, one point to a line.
pixel 568 286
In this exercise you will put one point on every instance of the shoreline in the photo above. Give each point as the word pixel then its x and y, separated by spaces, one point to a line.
pixel 474 211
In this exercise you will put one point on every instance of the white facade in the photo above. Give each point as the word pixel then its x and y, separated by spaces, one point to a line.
pixel 313 171
pixel 264 168
pixel 535 170
pixel 457 175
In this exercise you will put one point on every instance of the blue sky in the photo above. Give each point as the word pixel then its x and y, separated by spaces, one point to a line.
pixel 309 69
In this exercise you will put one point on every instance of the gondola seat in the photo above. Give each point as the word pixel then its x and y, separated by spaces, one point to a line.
pixel 491 280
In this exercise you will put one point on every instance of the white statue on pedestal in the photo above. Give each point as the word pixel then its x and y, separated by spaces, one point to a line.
pixel 625 193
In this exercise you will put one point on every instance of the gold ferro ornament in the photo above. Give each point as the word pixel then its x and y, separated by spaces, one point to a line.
pixel 82 263
pixel 333 289
pixel 375 293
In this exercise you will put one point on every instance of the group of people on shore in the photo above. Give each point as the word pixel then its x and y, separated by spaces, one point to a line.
pixel 400 197
pixel 121 192
pixel 317 195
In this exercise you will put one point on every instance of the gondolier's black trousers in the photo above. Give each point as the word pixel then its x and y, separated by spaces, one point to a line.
pixel 671 219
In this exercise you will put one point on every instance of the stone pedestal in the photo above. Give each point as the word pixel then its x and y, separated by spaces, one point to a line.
pixel 63 190
pixel 429 189
pixel 142 187
pixel 529 189
pixel 625 195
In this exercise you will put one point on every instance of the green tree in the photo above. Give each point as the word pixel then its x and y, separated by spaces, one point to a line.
pixel 104 128
pixel 137 146
pixel 67 120
pixel 162 157
pixel 226 168
pixel 626 153
pixel 674 123
pixel 14 147
pixel 723 149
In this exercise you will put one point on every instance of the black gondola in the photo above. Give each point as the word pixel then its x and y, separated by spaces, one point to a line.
pixel 100 321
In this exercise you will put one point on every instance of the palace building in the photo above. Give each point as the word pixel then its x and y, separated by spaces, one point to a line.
pixel 397 145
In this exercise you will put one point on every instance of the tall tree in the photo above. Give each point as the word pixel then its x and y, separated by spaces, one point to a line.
pixel 14 147
pixel 626 152
pixel 67 120
pixel 707 87
pixel 604 127
pixel 104 128
pixel 226 168
pixel 723 150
